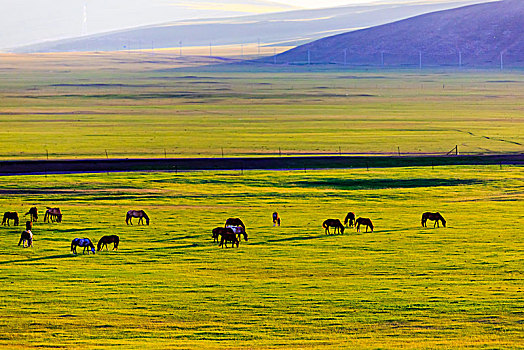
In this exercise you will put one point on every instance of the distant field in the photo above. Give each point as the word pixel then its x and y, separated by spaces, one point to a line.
pixel 169 286
pixel 142 104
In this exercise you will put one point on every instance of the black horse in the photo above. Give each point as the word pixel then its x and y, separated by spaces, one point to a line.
pixel 10 215
pixel 349 221
pixel 33 214
pixel 234 222
pixel 433 217
pixel 228 235
pixel 104 241
pixel 333 223
pixel 364 221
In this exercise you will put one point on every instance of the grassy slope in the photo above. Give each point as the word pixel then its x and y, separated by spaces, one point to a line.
pixel 169 286
pixel 57 104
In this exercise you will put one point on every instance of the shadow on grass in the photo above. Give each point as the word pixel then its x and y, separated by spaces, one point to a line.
pixel 51 257
pixel 350 184
pixel 288 239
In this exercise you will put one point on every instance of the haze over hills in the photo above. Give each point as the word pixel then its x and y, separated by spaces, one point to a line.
pixel 24 22
pixel 285 28
pixel 472 36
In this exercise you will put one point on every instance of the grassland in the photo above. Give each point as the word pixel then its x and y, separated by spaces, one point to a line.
pixel 169 286
pixel 156 105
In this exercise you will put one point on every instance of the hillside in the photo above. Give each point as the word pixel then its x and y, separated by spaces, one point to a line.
pixel 289 28
pixel 470 36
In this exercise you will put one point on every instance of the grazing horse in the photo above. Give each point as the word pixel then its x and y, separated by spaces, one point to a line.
pixel 140 214
pixel 217 231
pixel 28 225
pixel 276 219
pixel 10 215
pixel 333 223
pixel 228 235
pixel 27 236
pixel 82 242
pixel 239 231
pixel 349 221
pixel 104 241
pixel 52 215
pixel 234 222
pixel 33 214
pixel 364 221
pixel 433 217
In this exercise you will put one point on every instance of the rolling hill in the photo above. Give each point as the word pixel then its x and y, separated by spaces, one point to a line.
pixel 471 36
pixel 288 28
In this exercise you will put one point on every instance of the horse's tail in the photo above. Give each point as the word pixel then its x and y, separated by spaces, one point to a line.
pixel 127 218
pixel 72 244
pixel 324 225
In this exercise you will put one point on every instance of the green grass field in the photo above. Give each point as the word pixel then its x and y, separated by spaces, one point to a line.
pixel 81 107
pixel 170 286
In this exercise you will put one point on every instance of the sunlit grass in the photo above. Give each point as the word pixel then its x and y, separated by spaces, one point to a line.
pixel 169 286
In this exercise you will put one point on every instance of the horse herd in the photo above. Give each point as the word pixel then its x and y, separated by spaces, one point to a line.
pixel 233 230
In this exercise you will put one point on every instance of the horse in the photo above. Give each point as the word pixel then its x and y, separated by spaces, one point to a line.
pixel 217 231
pixel 276 219
pixel 104 241
pixel 27 236
pixel 52 215
pixel 82 242
pixel 364 221
pixel 33 214
pixel 433 217
pixel 349 221
pixel 228 235
pixel 333 223
pixel 10 215
pixel 234 222
pixel 28 225
pixel 140 214
pixel 239 231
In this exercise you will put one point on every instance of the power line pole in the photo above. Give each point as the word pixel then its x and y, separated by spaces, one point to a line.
pixel 308 57
pixel 345 57
pixel 501 62
pixel 420 60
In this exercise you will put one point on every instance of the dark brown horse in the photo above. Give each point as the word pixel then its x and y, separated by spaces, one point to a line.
pixel 364 221
pixel 276 219
pixel 26 237
pixel 234 222
pixel 217 232
pixel 28 225
pixel 349 221
pixel 433 217
pixel 52 215
pixel 228 235
pixel 10 215
pixel 333 223
pixel 105 240
pixel 140 214
pixel 33 214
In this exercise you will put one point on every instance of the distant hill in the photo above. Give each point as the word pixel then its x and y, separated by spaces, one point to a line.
pixel 288 28
pixel 24 22
pixel 471 36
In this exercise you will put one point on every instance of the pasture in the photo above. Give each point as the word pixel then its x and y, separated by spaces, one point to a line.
pixel 170 286
pixel 134 104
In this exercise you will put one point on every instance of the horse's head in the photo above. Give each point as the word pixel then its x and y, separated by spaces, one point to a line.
pixel 245 235
pixel 59 218
pixel 443 221
pixel 342 228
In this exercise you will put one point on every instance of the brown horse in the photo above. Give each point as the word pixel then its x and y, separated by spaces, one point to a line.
pixel 228 235
pixel 433 217
pixel 105 240
pixel 28 225
pixel 52 215
pixel 276 219
pixel 140 214
pixel 349 221
pixel 27 236
pixel 33 214
pixel 10 215
pixel 364 221
pixel 333 223
pixel 234 222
